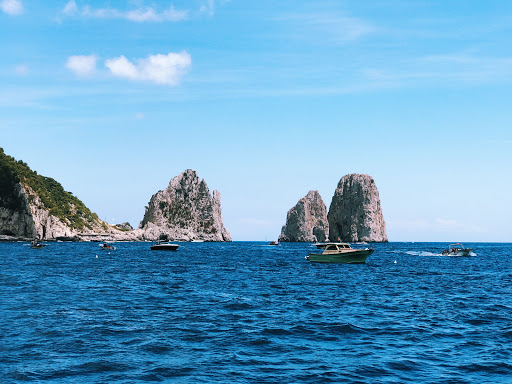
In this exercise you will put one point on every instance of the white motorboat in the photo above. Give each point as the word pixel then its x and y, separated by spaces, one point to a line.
pixel 457 250
pixel 164 246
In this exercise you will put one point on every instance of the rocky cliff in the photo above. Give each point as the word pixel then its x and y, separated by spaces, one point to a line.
pixel 307 220
pixel 34 206
pixel 185 210
pixel 355 213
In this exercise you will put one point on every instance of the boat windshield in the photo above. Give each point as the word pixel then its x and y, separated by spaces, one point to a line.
pixel 335 247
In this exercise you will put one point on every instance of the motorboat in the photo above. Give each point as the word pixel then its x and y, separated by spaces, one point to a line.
pixel 35 244
pixel 339 253
pixel 274 242
pixel 164 246
pixel 457 250
pixel 107 246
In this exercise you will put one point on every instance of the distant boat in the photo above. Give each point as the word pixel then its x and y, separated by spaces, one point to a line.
pixel 35 244
pixel 457 250
pixel 274 242
pixel 107 246
pixel 164 246
pixel 339 253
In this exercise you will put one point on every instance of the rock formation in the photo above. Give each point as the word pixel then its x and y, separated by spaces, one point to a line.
pixel 124 226
pixel 15 215
pixel 355 213
pixel 307 221
pixel 185 210
pixel 34 206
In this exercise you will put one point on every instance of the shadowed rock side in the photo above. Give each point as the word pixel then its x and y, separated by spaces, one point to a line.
pixel 355 213
pixel 307 221
pixel 15 216
pixel 35 206
pixel 185 210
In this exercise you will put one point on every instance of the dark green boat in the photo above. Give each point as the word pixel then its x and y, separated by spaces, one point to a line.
pixel 339 253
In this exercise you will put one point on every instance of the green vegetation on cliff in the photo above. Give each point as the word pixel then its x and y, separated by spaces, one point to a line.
pixel 68 208
pixel 9 198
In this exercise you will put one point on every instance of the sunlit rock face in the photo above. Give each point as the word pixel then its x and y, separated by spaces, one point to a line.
pixel 307 220
pixel 355 213
pixel 185 210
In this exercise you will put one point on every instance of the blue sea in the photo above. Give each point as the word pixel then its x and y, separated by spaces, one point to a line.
pixel 247 312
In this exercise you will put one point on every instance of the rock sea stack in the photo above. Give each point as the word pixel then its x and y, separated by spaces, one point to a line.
pixel 355 213
pixel 186 211
pixel 307 220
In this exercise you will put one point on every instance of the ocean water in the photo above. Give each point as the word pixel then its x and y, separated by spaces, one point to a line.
pixel 247 312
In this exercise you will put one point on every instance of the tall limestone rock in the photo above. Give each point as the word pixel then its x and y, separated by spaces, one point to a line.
pixel 185 210
pixel 355 213
pixel 35 206
pixel 307 221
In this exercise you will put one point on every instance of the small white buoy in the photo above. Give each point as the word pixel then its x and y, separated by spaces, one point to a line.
pixel 395 261
pixel 96 256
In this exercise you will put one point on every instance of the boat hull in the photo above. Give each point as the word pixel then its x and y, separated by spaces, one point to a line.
pixel 459 253
pixel 354 257
pixel 164 247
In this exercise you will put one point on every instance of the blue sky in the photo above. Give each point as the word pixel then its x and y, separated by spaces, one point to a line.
pixel 267 100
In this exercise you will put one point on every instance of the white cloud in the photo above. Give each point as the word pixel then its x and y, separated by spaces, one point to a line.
pixel 143 14
pixel 11 7
pixel 159 69
pixel 82 65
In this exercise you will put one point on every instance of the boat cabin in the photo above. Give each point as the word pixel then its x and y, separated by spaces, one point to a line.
pixel 335 247
pixel 455 247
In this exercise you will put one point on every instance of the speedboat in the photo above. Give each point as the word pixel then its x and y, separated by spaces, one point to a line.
pixel 457 250
pixel 107 246
pixel 35 244
pixel 164 246
pixel 339 253
pixel 274 242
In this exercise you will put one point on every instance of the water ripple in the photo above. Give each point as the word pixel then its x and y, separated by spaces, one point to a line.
pixel 246 312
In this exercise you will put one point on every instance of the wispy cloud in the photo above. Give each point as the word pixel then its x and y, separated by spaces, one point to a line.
pixel 21 70
pixel 139 15
pixel 208 7
pixel 70 8
pixel 160 69
pixel 450 69
pixel 82 65
pixel 330 28
pixel 11 7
